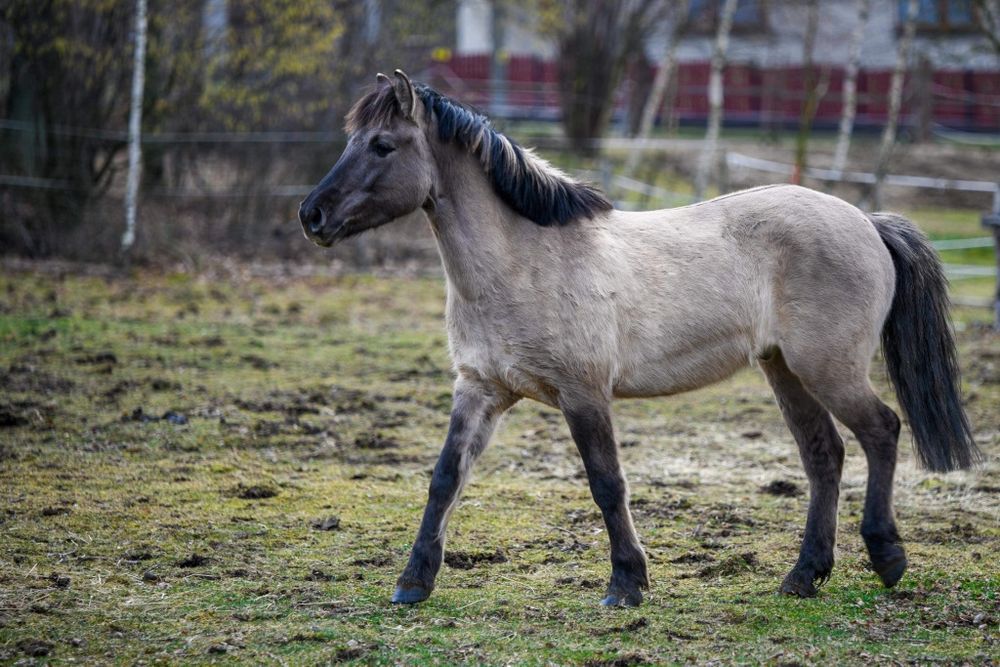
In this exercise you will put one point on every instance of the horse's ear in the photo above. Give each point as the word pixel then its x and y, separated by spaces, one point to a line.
pixel 382 80
pixel 405 95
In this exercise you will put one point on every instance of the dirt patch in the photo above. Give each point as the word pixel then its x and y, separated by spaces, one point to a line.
pixel 632 626
pixel 258 362
pixel 26 378
pixel 329 523
pixel 254 491
pixel 36 648
pixel 194 560
pixel 99 358
pixel 143 417
pixel 782 488
pixel 373 561
pixel 467 560
pixel 736 564
pixel 375 441
pixel 624 660
pixel 11 416
pixel 692 557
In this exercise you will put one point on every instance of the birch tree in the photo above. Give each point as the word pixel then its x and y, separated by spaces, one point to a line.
pixel 895 100
pixel 815 89
pixel 850 92
pixel 706 160
pixel 135 125
pixel 666 69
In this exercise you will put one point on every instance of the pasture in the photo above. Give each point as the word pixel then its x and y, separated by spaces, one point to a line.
pixel 230 466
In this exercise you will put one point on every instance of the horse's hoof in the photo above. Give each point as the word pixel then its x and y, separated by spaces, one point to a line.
pixel 410 594
pixel 632 599
pixel 799 584
pixel 890 573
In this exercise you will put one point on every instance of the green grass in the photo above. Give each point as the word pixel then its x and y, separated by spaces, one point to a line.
pixel 127 538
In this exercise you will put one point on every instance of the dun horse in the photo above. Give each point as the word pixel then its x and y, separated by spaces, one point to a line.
pixel 554 295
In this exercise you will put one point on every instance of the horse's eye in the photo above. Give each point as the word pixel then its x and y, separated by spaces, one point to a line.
pixel 381 148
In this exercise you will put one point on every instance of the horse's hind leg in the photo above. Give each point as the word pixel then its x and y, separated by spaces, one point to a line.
pixel 876 427
pixel 590 424
pixel 843 388
pixel 822 453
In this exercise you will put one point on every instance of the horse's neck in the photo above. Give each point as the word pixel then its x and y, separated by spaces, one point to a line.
pixel 476 233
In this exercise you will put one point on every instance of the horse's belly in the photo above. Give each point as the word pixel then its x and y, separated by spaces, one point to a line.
pixel 685 369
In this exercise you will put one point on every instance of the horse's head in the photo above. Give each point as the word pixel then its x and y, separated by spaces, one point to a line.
pixel 385 173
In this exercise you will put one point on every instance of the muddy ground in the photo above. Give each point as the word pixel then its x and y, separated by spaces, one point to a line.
pixel 230 467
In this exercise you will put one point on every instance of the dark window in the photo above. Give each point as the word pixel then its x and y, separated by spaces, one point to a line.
pixel 703 15
pixel 941 15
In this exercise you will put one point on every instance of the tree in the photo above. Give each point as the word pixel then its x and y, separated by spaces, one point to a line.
pixel 134 124
pixel 665 69
pixel 595 39
pixel 987 20
pixel 707 158
pixel 815 88
pixel 895 100
pixel 67 87
pixel 850 92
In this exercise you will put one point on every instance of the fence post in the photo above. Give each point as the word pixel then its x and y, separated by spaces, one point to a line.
pixel 991 221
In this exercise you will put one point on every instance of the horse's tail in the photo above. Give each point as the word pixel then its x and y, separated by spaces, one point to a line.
pixel 919 349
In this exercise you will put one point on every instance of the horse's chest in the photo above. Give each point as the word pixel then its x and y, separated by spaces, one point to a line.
pixel 509 351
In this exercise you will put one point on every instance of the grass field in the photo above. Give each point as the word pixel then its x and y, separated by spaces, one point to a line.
pixel 231 468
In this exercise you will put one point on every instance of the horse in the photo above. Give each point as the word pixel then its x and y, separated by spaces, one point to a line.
pixel 554 295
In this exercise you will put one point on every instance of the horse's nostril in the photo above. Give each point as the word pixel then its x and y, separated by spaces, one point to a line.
pixel 312 218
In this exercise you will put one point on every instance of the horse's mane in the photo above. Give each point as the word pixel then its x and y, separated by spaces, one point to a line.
pixel 526 182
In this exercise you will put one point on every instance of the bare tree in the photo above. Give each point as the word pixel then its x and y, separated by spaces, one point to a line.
pixel 850 92
pixel 666 68
pixel 895 99
pixel 707 159
pixel 815 89
pixel 595 39
pixel 987 18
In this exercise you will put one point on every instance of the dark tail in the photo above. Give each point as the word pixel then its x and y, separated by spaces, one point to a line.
pixel 920 351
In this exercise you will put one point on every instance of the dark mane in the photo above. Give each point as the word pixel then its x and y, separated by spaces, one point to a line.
pixel 525 182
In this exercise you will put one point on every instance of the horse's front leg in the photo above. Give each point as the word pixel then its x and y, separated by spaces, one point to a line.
pixel 476 408
pixel 590 424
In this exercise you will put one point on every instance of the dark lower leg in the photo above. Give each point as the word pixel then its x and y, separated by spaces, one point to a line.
pixel 594 436
pixel 822 452
pixel 473 418
pixel 878 528
pixel 822 456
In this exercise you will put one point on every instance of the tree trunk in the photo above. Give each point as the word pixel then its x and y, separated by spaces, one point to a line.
pixel 664 73
pixel 850 93
pixel 895 100
pixel 706 161
pixel 596 38
pixel 811 89
pixel 135 125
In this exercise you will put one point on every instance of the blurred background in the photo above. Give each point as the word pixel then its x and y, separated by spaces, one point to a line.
pixel 888 103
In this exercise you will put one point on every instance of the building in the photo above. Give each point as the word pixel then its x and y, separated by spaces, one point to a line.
pixel 953 78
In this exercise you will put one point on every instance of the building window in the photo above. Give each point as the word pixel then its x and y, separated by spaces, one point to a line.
pixel 703 16
pixel 941 15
